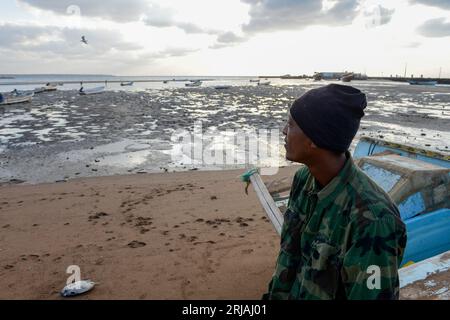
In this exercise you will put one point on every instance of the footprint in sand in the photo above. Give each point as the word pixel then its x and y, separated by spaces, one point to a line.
pixel 98 215
pixel 136 244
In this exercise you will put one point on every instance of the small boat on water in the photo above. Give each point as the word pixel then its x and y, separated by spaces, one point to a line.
pixel 222 87
pixel 264 83
pixel 422 82
pixel 196 83
pixel 123 84
pixel 254 80
pixel 85 92
pixel 16 97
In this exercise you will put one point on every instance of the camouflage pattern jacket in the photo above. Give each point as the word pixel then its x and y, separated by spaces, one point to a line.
pixel 337 239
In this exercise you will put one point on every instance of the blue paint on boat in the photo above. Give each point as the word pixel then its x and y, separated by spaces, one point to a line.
pixel 428 235
pixel 384 178
pixel 412 206
pixel 427 225
pixel 367 148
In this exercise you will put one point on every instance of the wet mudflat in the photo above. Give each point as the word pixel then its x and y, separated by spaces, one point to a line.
pixel 61 135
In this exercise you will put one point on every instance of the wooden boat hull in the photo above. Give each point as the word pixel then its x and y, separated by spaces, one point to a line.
pixel 427 279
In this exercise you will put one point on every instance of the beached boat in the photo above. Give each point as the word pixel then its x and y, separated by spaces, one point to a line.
pixel 417 180
pixel 422 82
pixel 96 90
pixel 15 97
pixel 427 279
pixel 39 90
pixel 317 76
pixel 47 87
pixel 196 83
pixel 347 77
pixel 264 83
pixel 222 87
pixel 51 86
pixel 123 84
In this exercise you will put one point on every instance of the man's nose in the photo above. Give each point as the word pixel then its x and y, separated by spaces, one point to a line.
pixel 285 130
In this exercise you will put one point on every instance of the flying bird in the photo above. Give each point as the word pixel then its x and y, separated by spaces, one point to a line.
pixel 83 39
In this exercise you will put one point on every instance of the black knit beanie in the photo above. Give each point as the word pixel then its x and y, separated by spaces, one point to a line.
pixel 330 115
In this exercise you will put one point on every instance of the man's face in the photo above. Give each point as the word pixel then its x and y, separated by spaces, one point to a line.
pixel 297 144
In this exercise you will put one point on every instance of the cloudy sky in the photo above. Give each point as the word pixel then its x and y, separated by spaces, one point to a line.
pixel 225 37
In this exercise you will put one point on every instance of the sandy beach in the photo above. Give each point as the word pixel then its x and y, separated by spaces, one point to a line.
pixel 187 235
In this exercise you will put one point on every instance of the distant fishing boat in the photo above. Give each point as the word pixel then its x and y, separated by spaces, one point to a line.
pixel 85 92
pixel 123 84
pixel 39 90
pixel 222 87
pixel 317 76
pixel 347 77
pixel 196 83
pixel 51 86
pixel 47 87
pixel 15 97
pixel 422 82
pixel 254 80
pixel 264 83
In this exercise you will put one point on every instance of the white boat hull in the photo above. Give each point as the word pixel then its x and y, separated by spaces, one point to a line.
pixel 92 91
pixel 7 99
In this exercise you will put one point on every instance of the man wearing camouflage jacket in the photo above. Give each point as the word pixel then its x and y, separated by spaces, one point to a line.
pixel 342 236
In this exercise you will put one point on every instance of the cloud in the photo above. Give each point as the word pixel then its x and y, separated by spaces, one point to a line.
pixel 168 52
pixel 435 28
pixel 412 45
pixel 62 41
pixel 443 4
pixel 116 10
pixel 162 17
pixel 41 48
pixel 378 16
pixel 227 39
pixel 275 15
